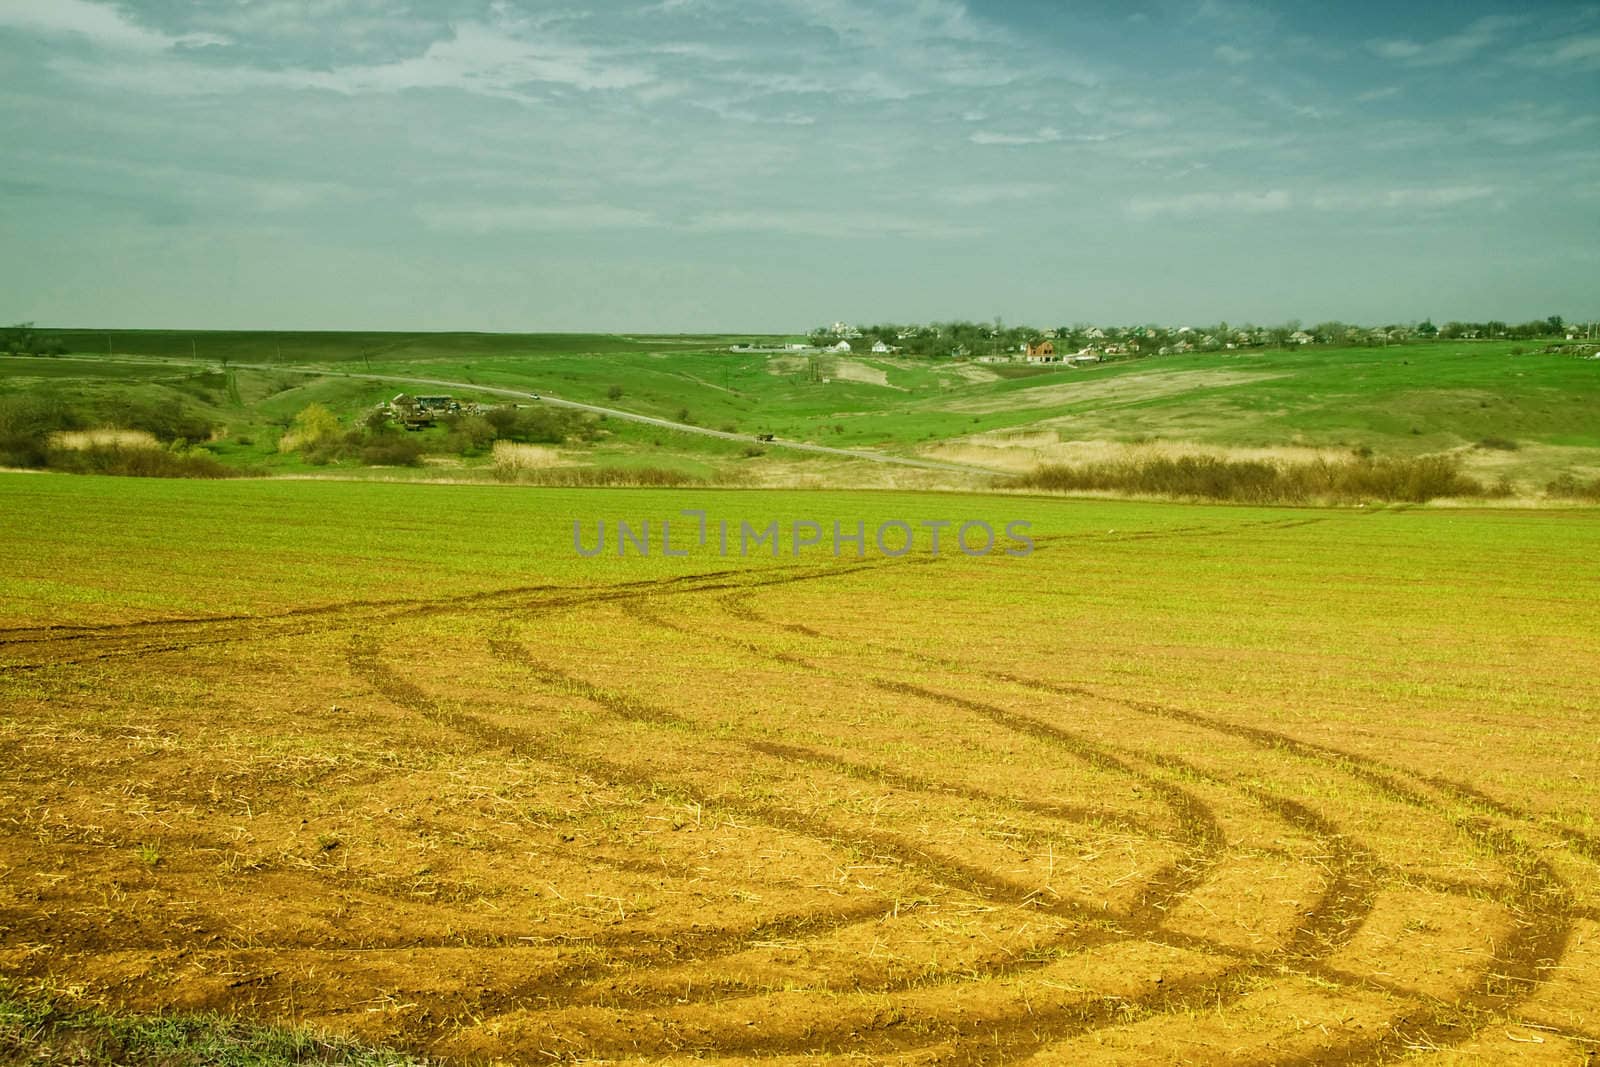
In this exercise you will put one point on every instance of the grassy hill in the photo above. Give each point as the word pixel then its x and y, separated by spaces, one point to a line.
pixel 1527 415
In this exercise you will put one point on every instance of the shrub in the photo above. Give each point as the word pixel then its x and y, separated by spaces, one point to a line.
pixel 167 422
pixel 26 423
pixel 1257 481
pixel 651 477
pixel 392 450
pixel 614 393
pixel 140 462
pixel 315 431
pixel 533 425
pixel 1572 488
pixel 1503 444
pixel 469 435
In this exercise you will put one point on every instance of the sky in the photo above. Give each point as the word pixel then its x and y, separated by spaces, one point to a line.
pixel 772 165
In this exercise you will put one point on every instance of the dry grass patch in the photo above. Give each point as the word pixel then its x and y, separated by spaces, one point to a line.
pixel 82 440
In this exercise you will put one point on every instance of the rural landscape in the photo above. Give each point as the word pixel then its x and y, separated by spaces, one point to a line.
pixel 319 758
pixel 932 533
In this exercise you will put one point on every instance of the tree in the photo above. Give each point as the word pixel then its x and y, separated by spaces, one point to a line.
pixel 315 431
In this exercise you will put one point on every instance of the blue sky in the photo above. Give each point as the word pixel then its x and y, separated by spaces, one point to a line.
pixel 741 165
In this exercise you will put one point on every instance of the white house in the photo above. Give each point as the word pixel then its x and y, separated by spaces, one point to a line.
pixel 880 348
pixel 842 346
pixel 1300 337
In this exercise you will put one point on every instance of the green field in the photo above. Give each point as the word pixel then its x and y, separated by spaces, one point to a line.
pixel 1537 410
pixel 1230 784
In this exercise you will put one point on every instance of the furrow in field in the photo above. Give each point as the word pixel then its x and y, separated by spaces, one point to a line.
pixel 364 660
pixel 938 869
pixel 43 649
pixel 1537 898
pixel 1333 919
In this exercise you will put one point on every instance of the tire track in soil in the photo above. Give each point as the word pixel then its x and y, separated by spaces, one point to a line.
pixel 1539 900
pixel 937 868
pixel 154 637
pixel 1070 813
pixel 1333 920
pixel 364 660
pixel 1199 830
pixel 756 1045
pixel 501 600
pixel 562 983
pixel 119 640
pixel 1346 901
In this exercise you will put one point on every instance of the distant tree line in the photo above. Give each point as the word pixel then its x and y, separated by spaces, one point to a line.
pixel 965 338
pixel 23 340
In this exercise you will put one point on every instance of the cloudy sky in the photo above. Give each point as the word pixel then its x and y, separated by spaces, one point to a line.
pixel 774 164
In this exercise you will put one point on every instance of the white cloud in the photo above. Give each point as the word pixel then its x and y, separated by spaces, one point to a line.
pixel 1232 55
pixel 833 225
pixel 987 194
pixel 476 58
pixel 1576 53
pixel 1400 199
pixel 1044 135
pixel 491 218
pixel 1454 48
pixel 1274 201
pixel 99 24
pixel 894 23
pixel 1190 204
